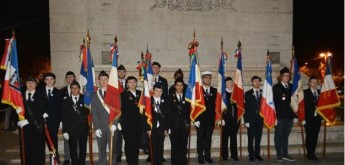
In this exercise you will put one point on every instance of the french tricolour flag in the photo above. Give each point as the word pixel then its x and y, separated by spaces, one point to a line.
pixel 297 97
pixel 238 92
pixel 221 100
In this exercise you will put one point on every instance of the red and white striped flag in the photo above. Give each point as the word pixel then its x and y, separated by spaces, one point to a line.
pixel 238 92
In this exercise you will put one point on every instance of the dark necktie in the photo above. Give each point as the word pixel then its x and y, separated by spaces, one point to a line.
pixel 29 97
pixel 49 93
pixel 207 93
pixel 76 100
pixel 157 105
pixel 122 84
pixel 286 86
pixel 315 96
pixel 104 93
pixel 180 98
pixel 257 95
pixel 155 79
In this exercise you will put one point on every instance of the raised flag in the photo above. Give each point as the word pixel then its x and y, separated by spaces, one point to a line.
pixel 145 98
pixel 221 100
pixel 267 108
pixel 6 55
pixel 195 93
pixel 297 97
pixel 114 89
pixel 238 92
pixel 12 94
pixel 328 98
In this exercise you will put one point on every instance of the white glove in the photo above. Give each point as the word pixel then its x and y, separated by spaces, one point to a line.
pixel 197 124
pixel 247 125
pixel 112 128
pixel 45 115
pixel 98 133
pixel 169 131
pixel 66 136
pixel 18 110
pixel 119 127
pixel 303 122
pixel 22 123
pixel 221 122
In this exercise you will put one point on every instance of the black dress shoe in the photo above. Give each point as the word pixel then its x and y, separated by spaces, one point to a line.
pixel 201 160
pixel 259 158
pixel 209 160
pixel 312 157
pixel 163 159
pixel 148 159
pixel 252 159
pixel 235 158
pixel 225 159
pixel 66 162
pixel 118 158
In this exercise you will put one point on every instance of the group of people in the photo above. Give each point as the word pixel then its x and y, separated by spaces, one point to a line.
pixel 48 106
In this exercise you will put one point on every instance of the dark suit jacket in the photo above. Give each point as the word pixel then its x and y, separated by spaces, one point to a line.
pixel 282 100
pixel 179 112
pixel 74 117
pixel 252 107
pixel 131 120
pixel 34 110
pixel 53 105
pixel 162 116
pixel 164 84
pixel 231 109
pixel 310 105
pixel 64 92
pixel 208 116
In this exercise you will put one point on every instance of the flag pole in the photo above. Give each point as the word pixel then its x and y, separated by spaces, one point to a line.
pixel 324 139
pixel 221 116
pixel 190 133
pixel 268 129
pixel 112 137
pixel 239 48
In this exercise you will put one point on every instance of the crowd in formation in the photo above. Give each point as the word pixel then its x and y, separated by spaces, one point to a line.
pixel 170 117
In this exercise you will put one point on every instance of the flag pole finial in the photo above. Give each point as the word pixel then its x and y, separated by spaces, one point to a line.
pixel 88 38
pixel 293 51
pixel 194 35
pixel 221 44
pixel 13 33
pixel 239 44
pixel 147 48
pixel 268 55
pixel 115 39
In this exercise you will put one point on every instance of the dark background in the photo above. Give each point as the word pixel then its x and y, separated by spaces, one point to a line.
pixel 318 26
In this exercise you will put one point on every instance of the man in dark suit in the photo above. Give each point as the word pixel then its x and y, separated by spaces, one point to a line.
pixel 100 119
pixel 132 121
pixel 53 104
pixel 230 125
pixel 34 137
pixel 204 123
pixel 121 72
pixel 252 119
pixel 312 121
pixel 178 74
pixel 75 124
pixel 285 115
pixel 180 123
pixel 156 68
pixel 66 92
pixel 160 123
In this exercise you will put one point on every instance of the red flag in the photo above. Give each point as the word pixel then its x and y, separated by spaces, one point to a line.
pixel 6 54
pixel 238 93
pixel 328 98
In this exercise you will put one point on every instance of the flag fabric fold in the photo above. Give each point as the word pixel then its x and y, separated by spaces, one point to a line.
pixel 6 55
pixel 145 98
pixel 238 92
pixel 112 98
pixel 297 97
pixel 328 98
pixel 12 94
pixel 267 108
pixel 221 100
pixel 194 92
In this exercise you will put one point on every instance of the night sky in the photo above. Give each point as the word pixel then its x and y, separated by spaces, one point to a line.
pixel 318 26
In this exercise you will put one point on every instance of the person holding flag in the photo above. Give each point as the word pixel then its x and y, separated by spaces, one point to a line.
pixel 75 124
pixel 132 121
pixel 285 115
pixel 252 119
pixel 312 121
pixel 231 124
pixel 100 118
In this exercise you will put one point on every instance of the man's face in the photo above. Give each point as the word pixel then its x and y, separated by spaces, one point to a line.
pixel 286 77
pixel 103 81
pixel 156 69
pixel 75 90
pixel 121 74
pixel 256 83
pixel 313 83
pixel 229 84
pixel 70 79
pixel 157 92
pixel 31 85
pixel 179 87
pixel 49 81
pixel 132 84
pixel 206 80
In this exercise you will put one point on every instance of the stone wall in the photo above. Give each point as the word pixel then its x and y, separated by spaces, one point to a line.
pixel 167 28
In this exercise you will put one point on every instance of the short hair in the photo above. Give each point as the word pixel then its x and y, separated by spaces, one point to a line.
pixel 156 63
pixel 33 79
pixel 121 67
pixel 49 74
pixel 158 85
pixel 70 73
pixel 75 83
pixel 284 70
pixel 102 73
pixel 179 79
pixel 255 77
pixel 228 79
pixel 312 78
pixel 131 78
